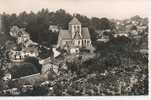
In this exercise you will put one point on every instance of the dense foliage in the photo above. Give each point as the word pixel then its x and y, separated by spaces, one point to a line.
pixel 4 60
pixel 34 61
pixel 37 24
pixel 23 69
pixel 117 69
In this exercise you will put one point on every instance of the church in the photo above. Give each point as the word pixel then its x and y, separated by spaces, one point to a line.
pixel 75 37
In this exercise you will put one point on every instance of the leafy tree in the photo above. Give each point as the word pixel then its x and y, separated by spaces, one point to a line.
pixel 34 61
pixel 61 18
pixel 39 91
pixel 133 27
pixel 95 23
pixel 23 69
pixel 4 60
pixel 104 23
pixel 85 21
pixel 37 24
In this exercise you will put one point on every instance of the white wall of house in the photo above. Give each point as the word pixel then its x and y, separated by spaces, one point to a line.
pixel 74 50
pixel 16 56
pixel 56 53
pixel 7 76
pixel 86 42
pixel 31 54
pixel 78 42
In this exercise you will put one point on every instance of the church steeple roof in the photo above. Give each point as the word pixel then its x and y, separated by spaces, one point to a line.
pixel 74 21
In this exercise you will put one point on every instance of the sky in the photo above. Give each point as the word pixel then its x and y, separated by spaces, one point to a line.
pixel 118 9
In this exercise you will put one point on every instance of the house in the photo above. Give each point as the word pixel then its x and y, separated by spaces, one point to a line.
pixel 75 37
pixel 103 35
pixel 44 61
pixel 141 29
pixel 16 55
pixel 56 53
pixel 16 32
pixel 54 28
pixel 50 66
pixel 120 34
pixel 22 37
pixel 7 77
pixel 133 32
pixel 25 46
pixel 13 91
pixel 31 51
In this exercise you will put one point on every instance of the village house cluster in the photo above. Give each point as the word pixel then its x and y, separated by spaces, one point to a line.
pixel 135 28
pixel 72 40
pixel 132 27
pixel 25 46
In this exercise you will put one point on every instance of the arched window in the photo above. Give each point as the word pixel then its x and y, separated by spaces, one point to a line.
pixel 78 27
pixel 85 41
pixel 79 42
pixel 74 27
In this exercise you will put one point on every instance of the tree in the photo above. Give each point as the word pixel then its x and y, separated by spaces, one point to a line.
pixel 104 23
pixel 61 18
pixel 4 60
pixel 95 23
pixel 85 21
pixel 133 27
pixel 23 69
pixel 93 35
pixel 33 61
pixel 39 91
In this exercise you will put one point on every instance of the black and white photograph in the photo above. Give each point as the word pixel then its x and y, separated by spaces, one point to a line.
pixel 74 48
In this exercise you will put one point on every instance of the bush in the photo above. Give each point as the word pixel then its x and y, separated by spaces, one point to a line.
pixel 34 61
pixel 23 69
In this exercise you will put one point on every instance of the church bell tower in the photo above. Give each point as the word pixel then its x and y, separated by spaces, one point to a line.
pixel 75 27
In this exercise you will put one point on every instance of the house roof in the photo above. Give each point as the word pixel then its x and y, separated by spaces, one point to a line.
pixel 53 27
pixel 31 49
pixel 77 36
pixel 74 21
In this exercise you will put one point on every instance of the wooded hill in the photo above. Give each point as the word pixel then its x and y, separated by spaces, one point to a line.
pixel 37 24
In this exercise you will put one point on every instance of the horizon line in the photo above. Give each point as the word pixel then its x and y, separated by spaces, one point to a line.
pixel 71 13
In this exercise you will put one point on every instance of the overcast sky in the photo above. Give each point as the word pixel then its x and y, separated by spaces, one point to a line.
pixel 99 8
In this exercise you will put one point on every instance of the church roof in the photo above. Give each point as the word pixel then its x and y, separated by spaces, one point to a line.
pixel 66 35
pixel 31 50
pixel 77 36
pixel 85 33
pixel 74 21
